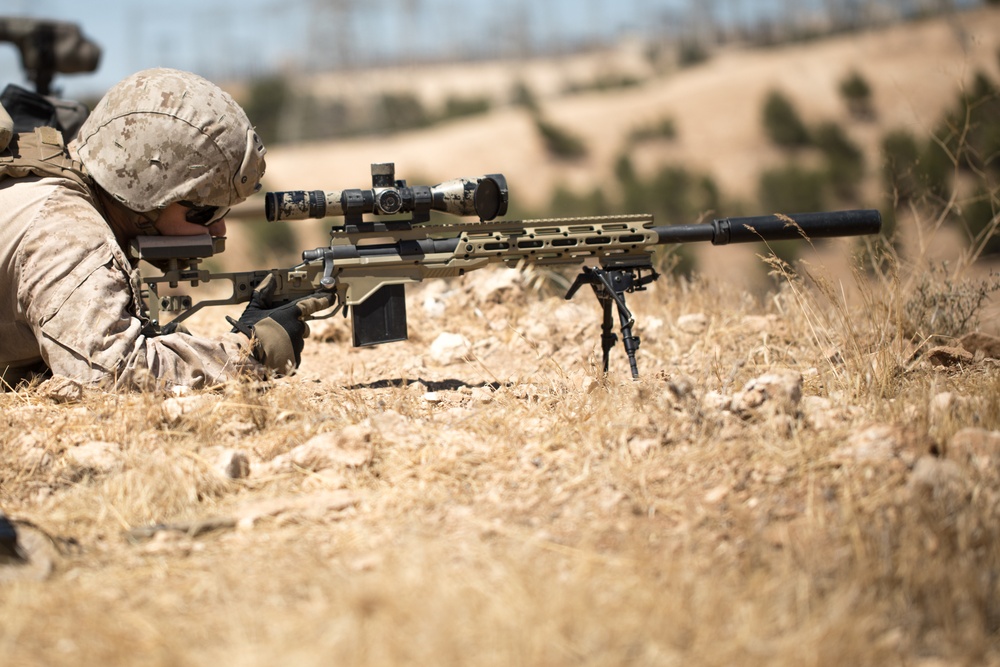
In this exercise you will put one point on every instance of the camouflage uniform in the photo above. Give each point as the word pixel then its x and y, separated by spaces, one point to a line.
pixel 68 294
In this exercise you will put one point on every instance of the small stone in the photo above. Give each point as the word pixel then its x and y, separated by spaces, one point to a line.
pixel 640 447
pixel 59 389
pixel 449 348
pixel 693 323
pixel 227 463
pixel 433 397
pixel 481 395
pixel 874 443
pixel 976 341
pixel 939 481
pixel 779 393
pixel 717 494
pixel 589 384
pixel 174 409
pixel 977 448
pixel 949 356
pixel 716 401
pixel 348 448
pixel 95 456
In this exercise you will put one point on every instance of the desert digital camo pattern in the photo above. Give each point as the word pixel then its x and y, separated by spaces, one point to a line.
pixel 163 135
pixel 69 298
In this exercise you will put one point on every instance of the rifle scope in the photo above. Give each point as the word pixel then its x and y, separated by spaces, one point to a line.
pixel 484 196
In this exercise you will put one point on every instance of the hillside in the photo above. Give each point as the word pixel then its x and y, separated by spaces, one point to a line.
pixel 914 71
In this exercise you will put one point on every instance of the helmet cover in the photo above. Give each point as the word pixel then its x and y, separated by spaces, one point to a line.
pixel 163 135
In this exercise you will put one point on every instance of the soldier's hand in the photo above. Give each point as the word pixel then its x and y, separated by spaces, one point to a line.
pixel 279 332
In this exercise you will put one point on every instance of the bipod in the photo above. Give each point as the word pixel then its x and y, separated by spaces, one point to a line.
pixel 610 286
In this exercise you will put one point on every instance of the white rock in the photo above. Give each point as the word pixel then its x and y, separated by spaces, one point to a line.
pixel 779 392
pixel 640 447
pixel 871 444
pixel 95 456
pixel 348 448
pixel 940 482
pixel 716 494
pixel 227 463
pixel 976 447
pixel 449 348
pixel 494 285
pixel 692 323
pixel 61 389
pixel 174 409
pixel 481 395
pixel 713 400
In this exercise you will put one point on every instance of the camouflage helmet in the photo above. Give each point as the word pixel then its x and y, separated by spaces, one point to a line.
pixel 162 136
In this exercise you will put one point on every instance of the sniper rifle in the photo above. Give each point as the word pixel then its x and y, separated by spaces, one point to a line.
pixel 369 262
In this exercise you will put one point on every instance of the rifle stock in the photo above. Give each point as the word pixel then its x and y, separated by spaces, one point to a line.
pixel 368 274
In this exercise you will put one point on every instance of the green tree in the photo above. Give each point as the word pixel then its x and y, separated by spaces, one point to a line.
pixel 791 189
pixel 782 122
pixel 265 103
pixel 858 95
pixel 559 142
pixel 845 163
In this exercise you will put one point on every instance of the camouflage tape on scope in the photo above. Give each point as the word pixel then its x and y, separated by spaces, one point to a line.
pixel 302 204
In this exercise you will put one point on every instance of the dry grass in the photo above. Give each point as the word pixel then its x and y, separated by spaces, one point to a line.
pixel 519 509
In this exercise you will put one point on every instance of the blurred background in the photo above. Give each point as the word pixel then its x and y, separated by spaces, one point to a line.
pixel 241 39
pixel 685 109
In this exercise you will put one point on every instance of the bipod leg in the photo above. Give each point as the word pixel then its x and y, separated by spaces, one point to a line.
pixel 630 342
pixel 608 337
pixel 614 284
pixel 610 287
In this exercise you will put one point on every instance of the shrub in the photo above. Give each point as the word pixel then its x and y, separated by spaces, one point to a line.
pixel 662 129
pixel 458 107
pixel 791 189
pixel 524 96
pixel 858 95
pixel 981 216
pixel 673 194
pixel 559 142
pixel 942 307
pixel 265 103
pixel 401 111
pixel 911 171
pixel 566 203
pixel 845 161
pixel 782 122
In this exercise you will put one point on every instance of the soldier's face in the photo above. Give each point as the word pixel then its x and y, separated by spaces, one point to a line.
pixel 172 222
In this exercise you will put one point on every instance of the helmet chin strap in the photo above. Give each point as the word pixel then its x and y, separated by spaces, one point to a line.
pixel 124 222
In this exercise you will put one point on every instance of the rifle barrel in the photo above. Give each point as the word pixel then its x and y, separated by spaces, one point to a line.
pixel 778 227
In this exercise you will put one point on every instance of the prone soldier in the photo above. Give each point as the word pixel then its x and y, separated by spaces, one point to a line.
pixel 164 152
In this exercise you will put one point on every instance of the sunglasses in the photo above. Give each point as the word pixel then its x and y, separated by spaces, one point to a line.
pixel 203 215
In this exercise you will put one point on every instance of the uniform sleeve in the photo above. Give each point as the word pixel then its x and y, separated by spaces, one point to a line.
pixel 93 336
pixel 80 299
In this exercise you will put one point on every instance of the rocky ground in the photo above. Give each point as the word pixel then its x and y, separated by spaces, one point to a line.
pixel 789 481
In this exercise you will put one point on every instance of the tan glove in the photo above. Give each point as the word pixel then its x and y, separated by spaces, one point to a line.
pixel 280 331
